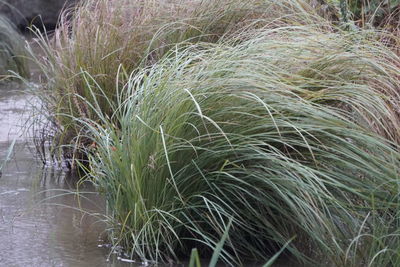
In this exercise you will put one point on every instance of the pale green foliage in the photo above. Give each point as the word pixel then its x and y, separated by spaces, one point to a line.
pixel 273 135
pixel 110 39
pixel 275 127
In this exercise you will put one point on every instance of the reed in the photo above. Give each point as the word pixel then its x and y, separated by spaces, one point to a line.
pixel 257 143
pixel 111 39
pixel 247 128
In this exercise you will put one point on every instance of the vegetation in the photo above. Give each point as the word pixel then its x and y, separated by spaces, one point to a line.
pixel 12 51
pixel 282 149
pixel 376 12
pixel 111 39
pixel 7 156
pixel 263 129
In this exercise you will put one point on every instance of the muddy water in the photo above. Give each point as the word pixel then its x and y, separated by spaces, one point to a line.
pixel 42 222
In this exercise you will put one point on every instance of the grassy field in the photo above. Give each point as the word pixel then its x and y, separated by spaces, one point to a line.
pixel 267 125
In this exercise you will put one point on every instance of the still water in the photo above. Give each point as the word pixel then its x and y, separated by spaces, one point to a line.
pixel 42 221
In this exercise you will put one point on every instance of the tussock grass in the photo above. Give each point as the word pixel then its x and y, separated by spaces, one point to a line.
pixel 266 140
pixel 110 39
pixel 250 128
pixel 12 51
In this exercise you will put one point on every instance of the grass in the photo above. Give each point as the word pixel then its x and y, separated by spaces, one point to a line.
pixel 375 12
pixel 12 51
pixel 251 129
pixel 7 156
pixel 111 39
pixel 235 141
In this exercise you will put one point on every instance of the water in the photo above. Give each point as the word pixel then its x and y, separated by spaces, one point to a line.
pixel 42 222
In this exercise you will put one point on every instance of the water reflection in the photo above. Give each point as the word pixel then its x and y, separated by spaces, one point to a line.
pixel 42 221
pixel 14 110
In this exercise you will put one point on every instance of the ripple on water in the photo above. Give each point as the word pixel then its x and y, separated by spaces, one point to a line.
pixel 40 220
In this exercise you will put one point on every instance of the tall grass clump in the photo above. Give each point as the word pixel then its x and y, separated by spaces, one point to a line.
pixel 110 39
pixel 271 142
pixel 13 56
